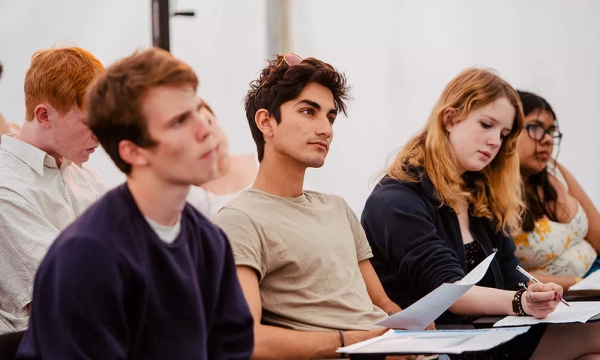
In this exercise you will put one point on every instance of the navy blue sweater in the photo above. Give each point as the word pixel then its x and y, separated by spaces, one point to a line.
pixel 109 288
pixel 417 245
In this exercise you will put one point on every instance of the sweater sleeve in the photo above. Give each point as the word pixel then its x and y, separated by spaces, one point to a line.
pixel 400 225
pixel 231 334
pixel 78 303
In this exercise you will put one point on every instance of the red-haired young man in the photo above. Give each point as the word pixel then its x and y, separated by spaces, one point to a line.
pixel 44 185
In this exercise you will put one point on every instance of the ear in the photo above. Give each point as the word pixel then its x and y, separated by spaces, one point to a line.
pixel 41 114
pixel 132 154
pixel 448 118
pixel 262 118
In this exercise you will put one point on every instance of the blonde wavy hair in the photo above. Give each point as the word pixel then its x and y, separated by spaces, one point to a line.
pixel 495 193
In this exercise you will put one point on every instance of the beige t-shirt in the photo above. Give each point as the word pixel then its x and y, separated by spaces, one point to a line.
pixel 305 251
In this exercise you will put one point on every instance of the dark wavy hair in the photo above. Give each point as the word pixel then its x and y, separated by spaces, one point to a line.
pixel 279 83
pixel 540 195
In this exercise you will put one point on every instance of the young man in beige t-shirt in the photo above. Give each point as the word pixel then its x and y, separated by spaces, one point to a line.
pixel 301 256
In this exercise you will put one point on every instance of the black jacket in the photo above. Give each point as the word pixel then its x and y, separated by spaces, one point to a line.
pixel 417 245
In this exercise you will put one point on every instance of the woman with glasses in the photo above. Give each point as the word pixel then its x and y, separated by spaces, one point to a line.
pixel 561 226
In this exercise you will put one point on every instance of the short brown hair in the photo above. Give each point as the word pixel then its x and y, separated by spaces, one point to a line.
pixel 61 77
pixel 279 83
pixel 115 99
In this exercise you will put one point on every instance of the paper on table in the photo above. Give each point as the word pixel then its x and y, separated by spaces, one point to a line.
pixel 434 342
pixel 422 313
pixel 579 311
pixel 591 282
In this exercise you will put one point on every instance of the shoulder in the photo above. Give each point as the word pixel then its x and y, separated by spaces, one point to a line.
pixel 78 259
pixel 325 198
pixel 104 219
pixel 10 192
pixel 14 173
pixel 331 201
pixel 198 223
pixel 392 192
pixel 244 209
pixel 233 216
pixel 198 220
pixel 79 247
pixel 560 174
pixel 247 199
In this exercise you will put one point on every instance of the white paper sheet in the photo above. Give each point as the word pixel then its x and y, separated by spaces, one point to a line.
pixel 422 313
pixel 475 275
pixel 591 282
pixel 579 311
pixel 434 342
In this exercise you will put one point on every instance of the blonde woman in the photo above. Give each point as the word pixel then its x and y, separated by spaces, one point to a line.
pixel 450 198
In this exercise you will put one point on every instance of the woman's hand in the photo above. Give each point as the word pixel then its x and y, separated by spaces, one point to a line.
pixel 540 299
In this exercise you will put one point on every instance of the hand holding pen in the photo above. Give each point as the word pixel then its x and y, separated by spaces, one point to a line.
pixel 541 299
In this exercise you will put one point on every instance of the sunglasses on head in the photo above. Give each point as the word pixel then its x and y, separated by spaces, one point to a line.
pixel 291 59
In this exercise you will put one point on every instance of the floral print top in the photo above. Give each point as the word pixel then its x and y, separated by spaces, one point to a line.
pixel 557 248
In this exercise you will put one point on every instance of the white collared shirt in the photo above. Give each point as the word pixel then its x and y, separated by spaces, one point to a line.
pixel 37 201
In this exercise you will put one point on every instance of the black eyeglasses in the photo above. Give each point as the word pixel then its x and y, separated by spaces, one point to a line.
pixel 537 133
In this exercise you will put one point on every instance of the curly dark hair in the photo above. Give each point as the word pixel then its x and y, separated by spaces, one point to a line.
pixel 279 83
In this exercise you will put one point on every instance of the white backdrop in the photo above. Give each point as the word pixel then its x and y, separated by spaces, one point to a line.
pixel 398 55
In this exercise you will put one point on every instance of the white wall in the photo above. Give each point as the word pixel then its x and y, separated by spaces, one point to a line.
pixel 225 43
pixel 398 55
pixel 110 29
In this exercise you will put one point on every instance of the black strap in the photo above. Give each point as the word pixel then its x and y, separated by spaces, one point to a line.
pixel 343 343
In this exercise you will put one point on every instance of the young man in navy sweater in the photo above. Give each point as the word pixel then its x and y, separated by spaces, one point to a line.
pixel 141 274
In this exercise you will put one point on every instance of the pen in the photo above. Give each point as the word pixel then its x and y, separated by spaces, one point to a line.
pixel 524 272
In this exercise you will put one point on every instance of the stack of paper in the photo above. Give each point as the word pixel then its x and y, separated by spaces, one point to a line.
pixel 579 311
pixel 434 342
pixel 591 282
pixel 422 313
